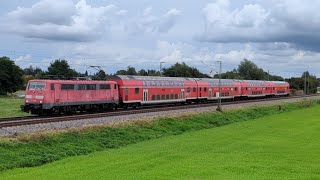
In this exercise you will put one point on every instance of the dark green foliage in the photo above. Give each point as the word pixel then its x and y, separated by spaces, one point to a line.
pixel 61 67
pixel 130 71
pixel 298 83
pixel 31 71
pixel 183 70
pixel 46 149
pixel 10 76
pixel 249 71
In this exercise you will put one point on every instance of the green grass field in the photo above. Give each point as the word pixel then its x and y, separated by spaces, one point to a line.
pixel 10 106
pixel 281 146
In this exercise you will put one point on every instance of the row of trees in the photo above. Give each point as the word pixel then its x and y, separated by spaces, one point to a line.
pixel 13 78
pixel 177 70
pixel 248 70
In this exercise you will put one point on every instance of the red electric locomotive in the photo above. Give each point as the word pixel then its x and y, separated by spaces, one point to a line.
pixel 55 96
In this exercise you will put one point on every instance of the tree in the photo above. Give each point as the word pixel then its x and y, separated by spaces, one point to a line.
pixel 61 67
pixel 142 72
pixel 298 83
pixel 32 71
pixel 183 70
pixel 130 71
pixel 10 76
pixel 229 75
pixel 249 70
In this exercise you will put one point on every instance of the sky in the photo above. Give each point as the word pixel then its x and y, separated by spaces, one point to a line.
pixel 280 36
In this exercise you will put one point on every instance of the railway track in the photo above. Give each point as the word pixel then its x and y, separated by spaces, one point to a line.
pixel 29 120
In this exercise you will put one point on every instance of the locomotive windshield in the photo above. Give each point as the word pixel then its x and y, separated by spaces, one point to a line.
pixel 36 86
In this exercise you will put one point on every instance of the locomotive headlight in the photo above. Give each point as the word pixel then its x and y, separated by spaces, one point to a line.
pixel 40 102
pixel 27 101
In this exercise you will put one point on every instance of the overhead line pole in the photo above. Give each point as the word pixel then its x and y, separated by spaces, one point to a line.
pixel 161 68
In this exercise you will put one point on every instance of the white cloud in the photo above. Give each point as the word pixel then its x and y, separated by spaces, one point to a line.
pixel 64 21
pixel 149 23
pixel 290 21
pixel 79 21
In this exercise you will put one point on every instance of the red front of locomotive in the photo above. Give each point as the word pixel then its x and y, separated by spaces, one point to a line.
pixel 37 94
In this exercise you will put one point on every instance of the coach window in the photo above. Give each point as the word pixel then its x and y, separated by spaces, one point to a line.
pixel 236 89
pixel 158 97
pixel 52 86
pixel 176 96
pixel 167 96
pixel 126 91
pixel 205 89
pixel 136 90
pixel 153 97
pixel 163 97
pixel 115 86
pixel 188 89
pixel 194 89
pixel 172 96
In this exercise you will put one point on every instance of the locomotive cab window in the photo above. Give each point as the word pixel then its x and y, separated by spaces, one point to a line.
pixel 36 86
pixel 194 89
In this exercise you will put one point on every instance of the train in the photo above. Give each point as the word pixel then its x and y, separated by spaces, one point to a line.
pixel 45 96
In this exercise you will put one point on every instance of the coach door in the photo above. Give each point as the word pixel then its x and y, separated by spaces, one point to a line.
pixel 145 95
pixel 210 92
pixel 182 94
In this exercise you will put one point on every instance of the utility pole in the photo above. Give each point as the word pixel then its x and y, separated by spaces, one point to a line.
pixel 219 108
pixel 305 82
pixel 161 68
pixel 308 89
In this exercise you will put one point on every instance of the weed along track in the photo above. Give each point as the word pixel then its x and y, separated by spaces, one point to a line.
pixel 31 124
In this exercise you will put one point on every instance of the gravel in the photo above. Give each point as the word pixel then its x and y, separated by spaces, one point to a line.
pixel 9 131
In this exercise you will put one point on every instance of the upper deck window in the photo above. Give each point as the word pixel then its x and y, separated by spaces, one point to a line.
pixel 36 86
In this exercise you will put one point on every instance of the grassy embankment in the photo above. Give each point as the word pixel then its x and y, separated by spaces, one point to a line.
pixel 10 106
pixel 281 146
pixel 38 150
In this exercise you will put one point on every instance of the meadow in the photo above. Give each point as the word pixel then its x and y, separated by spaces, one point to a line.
pixel 280 146
pixel 10 106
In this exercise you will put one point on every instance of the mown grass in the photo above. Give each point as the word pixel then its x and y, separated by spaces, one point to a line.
pixel 10 106
pixel 281 146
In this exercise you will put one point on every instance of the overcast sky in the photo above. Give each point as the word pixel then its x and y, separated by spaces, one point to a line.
pixel 282 36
